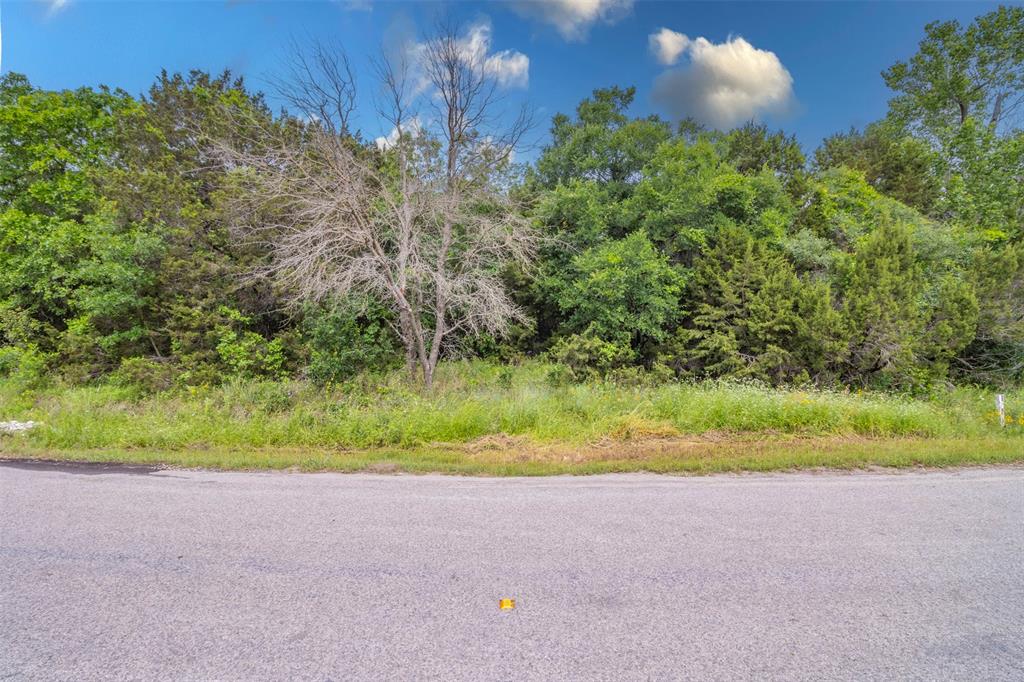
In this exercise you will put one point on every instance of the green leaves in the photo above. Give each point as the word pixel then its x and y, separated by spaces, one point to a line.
pixel 995 355
pixel 51 145
pixel 961 73
pixel 689 192
pixel 602 144
pixel 961 95
pixel 108 219
pixel 623 289
pixel 893 162
pixel 895 261
pixel 349 338
pixel 902 334
pixel 748 315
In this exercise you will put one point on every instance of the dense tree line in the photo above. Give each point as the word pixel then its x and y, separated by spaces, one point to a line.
pixel 894 257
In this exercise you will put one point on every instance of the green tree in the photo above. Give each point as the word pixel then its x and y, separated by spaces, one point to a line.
pixel 623 291
pixel 961 93
pixel 602 144
pixel 689 192
pixel 71 277
pixel 898 335
pixel 841 208
pixel 894 163
pixel 749 315
pixel 752 148
pixel 572 217
pixel 164 181
pixel 984 181
pixel 996 354
pixel 961 73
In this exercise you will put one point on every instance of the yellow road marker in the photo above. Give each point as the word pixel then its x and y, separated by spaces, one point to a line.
pixel 506 604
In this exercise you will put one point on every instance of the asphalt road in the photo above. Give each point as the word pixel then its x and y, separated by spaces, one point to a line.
pixel 136 574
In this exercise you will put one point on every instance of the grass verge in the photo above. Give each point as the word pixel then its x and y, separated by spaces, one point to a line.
pixel 488 419
pixel 520 458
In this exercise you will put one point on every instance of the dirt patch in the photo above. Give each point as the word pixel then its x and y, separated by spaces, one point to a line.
pixel 519 449
pixel 502 448
pixel 632 427
pixel 382 467
pixel 498 441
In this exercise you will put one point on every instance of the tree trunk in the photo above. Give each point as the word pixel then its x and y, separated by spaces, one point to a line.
pixel 409 341
pixel 997 111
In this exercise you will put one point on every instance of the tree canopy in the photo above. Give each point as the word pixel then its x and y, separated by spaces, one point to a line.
pixel 894 258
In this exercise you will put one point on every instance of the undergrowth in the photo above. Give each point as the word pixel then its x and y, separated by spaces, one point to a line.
pixel 472 400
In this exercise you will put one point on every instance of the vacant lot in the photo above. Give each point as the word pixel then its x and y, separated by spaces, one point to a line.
pixel 491 420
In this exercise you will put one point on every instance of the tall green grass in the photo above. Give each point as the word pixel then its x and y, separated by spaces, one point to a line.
pixel 472 400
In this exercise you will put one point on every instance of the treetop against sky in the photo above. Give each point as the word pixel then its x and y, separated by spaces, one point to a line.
pixel 810 68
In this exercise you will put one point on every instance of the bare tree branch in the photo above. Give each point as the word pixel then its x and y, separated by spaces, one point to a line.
pixel 421 223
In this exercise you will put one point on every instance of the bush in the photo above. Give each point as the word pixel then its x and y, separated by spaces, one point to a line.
pixel 348 339
pixel 23 370
pixel 896 339
pixel 623 288
pixel 24 365
pixel 246 353
pixel 582 357
pixel 148 375
pixel 750 316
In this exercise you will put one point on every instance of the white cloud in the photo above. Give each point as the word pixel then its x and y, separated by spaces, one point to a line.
pixel 509 67
pixel 573 18
pixel 54 6
pixel 412 127
pixel 724 84
pixel 667 45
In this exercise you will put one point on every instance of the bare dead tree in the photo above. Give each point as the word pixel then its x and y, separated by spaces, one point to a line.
pixel 466 102
pixel 320 84
pixel 420 223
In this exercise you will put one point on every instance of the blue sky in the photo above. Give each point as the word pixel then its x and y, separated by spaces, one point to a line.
pixel 809 68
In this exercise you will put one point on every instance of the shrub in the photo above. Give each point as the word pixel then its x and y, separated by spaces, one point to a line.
pixel 586 356
pixel 147 375
pixel 624 289
pixel 246 353
pixel 22 373
pixel 25 366
pixel 750 316
pixel 348 339
pixel 896 339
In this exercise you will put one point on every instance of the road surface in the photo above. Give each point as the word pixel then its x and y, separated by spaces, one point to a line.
pixel 141 574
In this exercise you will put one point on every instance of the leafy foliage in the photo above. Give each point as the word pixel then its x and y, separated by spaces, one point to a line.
pixel 961 94
pixel 897 165
pixel 347 339
pixel 602 144
pixel 996 353
pixel 624 292
pixel 894 260
pixel 750 316
pixel 895 339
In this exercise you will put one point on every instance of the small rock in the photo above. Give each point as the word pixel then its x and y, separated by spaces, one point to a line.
pixel 14 427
